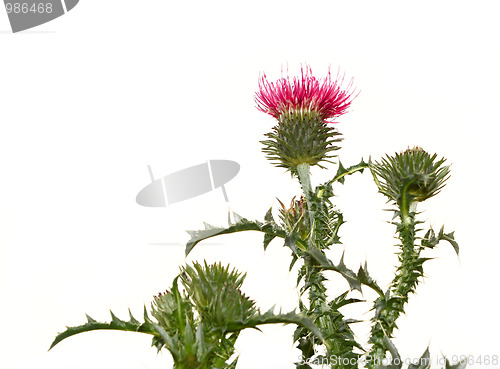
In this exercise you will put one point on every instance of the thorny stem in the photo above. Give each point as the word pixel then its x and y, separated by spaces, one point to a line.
pixel 313 276
pixel 388 309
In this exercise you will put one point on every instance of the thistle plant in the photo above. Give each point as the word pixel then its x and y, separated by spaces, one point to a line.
pixel 303 136
pixel 199 326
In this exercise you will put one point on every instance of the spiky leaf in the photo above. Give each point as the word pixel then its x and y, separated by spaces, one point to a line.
pixel 430 240
pixel 424 362
pixel 342 172
pixel 270 228
pixel 396 362
pixel 131 325
pixel 355 280
pixel 459 365
pixel 270 318
pixel 364 278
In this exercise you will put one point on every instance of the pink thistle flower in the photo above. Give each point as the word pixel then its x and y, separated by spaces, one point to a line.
pixel 303 107
pixel 305 96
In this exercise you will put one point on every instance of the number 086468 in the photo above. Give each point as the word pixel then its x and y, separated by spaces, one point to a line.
pixel 24 8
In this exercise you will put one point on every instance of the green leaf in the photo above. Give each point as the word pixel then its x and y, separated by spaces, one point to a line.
pixel 269 216
pixel 396 362
pixel 392 349
pixel 271 230
pixel 270 318
pixel 459 365
pixel 169 342
pixel 189 340
pixel 201 352
pixel 116 324
pixel 450 238
pixel 424 362
pixel 342 172
pixel 355 280
pixel 291 242
pixel 292 263
pixel 341 300
pixel 430 240
pixel 365 279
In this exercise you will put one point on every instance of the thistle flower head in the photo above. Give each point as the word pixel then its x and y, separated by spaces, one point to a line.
pixel 304 96
pixel 303 107
pixel 413 173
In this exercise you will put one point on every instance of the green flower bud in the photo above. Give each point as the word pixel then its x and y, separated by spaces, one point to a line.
pixel 294 217
pixel 413 173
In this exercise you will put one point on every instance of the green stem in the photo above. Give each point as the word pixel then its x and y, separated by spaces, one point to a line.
pixel 317 294
pixel 388 309
pixel 312 277
pixel 304 177
pixel 305 181
pixel 339 340
pixel 404 206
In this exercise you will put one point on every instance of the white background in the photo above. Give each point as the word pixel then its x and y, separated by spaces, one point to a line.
pixel 89 100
